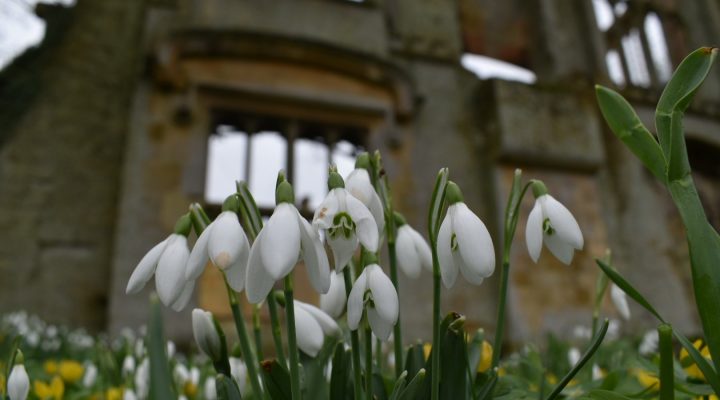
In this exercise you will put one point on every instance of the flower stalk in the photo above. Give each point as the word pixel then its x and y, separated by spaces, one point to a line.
pixel 247 351
pixel 292 339
pixel 354 341
pixel 368 363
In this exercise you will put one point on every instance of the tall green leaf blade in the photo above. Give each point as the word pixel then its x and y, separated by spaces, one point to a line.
pixel 341 371
pixel 454 361
pixel 416 388
pixel 606 395
pixel 161 383
pixel 705 367
pixel 276 379
pixel 626 125
pixel 226 388
pixel 628 288
pixel 399 386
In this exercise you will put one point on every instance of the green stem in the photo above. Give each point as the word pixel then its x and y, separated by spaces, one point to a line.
pixel 667 391
pixel 354 342
pixel 247 352
pixel 500 324
pixel 292 339
pixel 257 333
pixel 378 355
pixel 275 328
pixel 397 330
pixel 435 371
pixel 368 362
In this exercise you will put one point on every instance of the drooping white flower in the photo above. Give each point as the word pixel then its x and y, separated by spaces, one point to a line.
pixel 239 372
pixel 142 379
pixel 552 223
pixel 311 326
pixel 382 305
pixel 18 384
pixel 209 388
pixel 223 242
pixel 167 262
pixel 413 252
pixel 333 302
pixel 90 376
pixel 286 238
pixel 206 334
pixel 347 222
pixel 649 342
pixel 359 185
pixel 128 365
pixel 620 301
pixel 463 243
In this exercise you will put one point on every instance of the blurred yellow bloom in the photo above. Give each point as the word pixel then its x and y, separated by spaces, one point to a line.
pixel 190 389
pixel 114 393
pixel 551 378
pixel 2 383
pixel 502 371
pixel 71 371
pixel 50 367
pixel 486 357
pixel 692 370
pixel 646 378
pixel 427 347
pixel 52 391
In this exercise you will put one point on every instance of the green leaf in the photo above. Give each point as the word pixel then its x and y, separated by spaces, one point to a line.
pixel 486 390
pixel 595 344
pixel 161 383
pixel 276 379
pixel 705 367
pixel 226 389
pixel 606 395
pixel 315 385
pixel 436 203
pixel 341 371
pixel 667 377
pixel 415 359
pixel 416 388
pixel 399 386
pixel 454 359
pixel 626 125
pixel 628 288
pixel 673 102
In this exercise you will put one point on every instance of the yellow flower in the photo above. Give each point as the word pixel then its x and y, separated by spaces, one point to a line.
pixel 646 378
pixel 485 357
pixel 551 379
pixel 71 371
pixel 2 384
pixel 190 389
pixel 50 367
pixel 114 393
pixel 692 370
pixel 502 371
pixel 427 347
pixel 53 391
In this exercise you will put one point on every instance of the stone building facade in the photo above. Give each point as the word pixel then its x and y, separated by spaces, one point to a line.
pixel 386 74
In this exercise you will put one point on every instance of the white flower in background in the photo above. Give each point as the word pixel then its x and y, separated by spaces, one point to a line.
pixel 347 222
pixel 413 252
pixel 333 302
pixel 597 372
pixel 170 349
pixel 620 301
pixel 552 223
pixel 18 384
pixel 649 343
pixel 573 356
pixel 206 334
pixel 582 332
pixel 463 242
pixel 90 376
pixel 613 331
pixel 167 262
pixel 239 372
pixel 286 238
pixel 129 394
pixel 128 365
pixel 142 379
pixel 359 185
pixel 209 388
pixel 382 303
pixel 312 325
pixel 223 242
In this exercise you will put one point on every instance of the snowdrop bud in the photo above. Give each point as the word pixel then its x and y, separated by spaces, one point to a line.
pixel 284 193
pixel 206 334
pixel 620 301
pixel 18 385
pixel 239 372
pixel 334 301
pixel 573 356
pixel 413 252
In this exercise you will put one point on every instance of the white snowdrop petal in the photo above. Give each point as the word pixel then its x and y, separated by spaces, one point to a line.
pixel 145 268
pixel 358 184
pixel 333 302
pixel 308 331
pixel 170 273
pixel 314 256
pixel 380 327
pixel 328 325
pixel 383 292
pixel 281 247
pixel 257 282
pixel 198 256
pixel 473 242
pixel 343 250
pixel 355 301
pixel 563 222
pixel 620 301
pixel 534 231
pixel 365 226
pixel 559 248
pixel 470 273
pixel 237 272
pixel 185 296
pixel 408 258
pixel 18 384
pixel 378 212
pixel 225 241
pixel 423 249
pixel 448 269
pixel 325 213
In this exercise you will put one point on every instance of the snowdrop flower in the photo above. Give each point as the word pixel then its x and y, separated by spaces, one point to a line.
pixel 206 334
pixel 649 343
pixel 312 325
pixel 382 302
pixel 18 384
pixel 91 373
pixel 142 379
pixel 128 365
pixel 347 222
pixel 613 331
pixel 620 301
pixel 239 372
pixel 413 252
pixel 333 302
pixel 597 372
pixel 209 389
pixel 285 239
pixel 463 242
pixel 573 356
pixel 552 223
pixel 128 394
pixel 359 185
pixel 223 242
pixel 167 262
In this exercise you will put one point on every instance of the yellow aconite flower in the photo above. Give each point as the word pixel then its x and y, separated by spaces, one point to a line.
pixel 551 378
pixel 71 371
pixel 486 358
pixel 646 378
pixel 190 389
pixel 52 391
pixel 50 367
pixel 114 393
pixel 502 371
pixel 427 347
pixel 2 384
pixel 692 370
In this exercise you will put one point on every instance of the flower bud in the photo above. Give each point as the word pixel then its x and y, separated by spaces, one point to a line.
pixel 18 385
pixel 206 334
